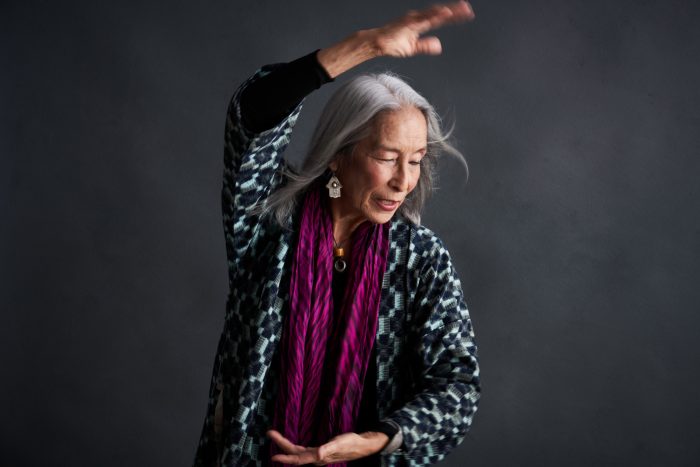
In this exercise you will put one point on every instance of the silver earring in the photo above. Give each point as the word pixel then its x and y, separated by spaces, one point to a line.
pixel 334 187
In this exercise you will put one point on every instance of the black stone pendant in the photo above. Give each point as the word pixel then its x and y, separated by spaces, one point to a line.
pixel 339 264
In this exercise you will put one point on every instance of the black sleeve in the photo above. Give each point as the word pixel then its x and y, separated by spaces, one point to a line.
pixel 268 100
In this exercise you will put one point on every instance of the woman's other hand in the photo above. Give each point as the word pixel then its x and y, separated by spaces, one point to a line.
pixel 342 448
pixel 400 38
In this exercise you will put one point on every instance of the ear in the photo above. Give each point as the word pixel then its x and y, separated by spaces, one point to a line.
pixel 334 164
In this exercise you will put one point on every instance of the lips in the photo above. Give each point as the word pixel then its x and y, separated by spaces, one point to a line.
pixel 387 204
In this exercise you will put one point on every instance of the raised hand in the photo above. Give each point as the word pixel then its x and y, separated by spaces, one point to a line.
pixel 400 38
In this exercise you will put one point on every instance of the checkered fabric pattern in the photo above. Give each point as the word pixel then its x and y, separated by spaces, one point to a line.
pixel 427 370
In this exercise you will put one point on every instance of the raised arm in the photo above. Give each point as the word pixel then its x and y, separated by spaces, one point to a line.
pixel 266 101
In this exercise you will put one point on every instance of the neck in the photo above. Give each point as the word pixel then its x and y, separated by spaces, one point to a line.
pixel 344 224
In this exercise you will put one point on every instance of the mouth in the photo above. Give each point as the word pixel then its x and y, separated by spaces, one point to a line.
pixel 387 204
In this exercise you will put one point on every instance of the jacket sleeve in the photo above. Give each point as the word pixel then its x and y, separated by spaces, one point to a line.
pixel 253 169
pixel 446 371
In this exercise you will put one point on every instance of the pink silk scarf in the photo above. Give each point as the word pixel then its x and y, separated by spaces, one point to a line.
pixel 324 355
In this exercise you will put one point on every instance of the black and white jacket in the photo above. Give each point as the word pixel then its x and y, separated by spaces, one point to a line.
pixel 427 371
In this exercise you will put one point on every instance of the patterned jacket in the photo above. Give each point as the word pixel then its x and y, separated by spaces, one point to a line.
pixel 427 371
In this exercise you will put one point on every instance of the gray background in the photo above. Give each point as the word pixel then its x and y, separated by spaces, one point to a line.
pixel 577 236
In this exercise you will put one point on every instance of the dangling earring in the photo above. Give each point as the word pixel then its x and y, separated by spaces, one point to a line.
pixel 334 187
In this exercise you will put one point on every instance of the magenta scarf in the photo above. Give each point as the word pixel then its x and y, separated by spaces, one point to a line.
pixel 324 357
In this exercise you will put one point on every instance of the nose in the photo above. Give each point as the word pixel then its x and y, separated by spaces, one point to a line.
pixel 400 180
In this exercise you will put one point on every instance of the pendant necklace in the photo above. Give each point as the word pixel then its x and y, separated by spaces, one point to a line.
pixel 339 262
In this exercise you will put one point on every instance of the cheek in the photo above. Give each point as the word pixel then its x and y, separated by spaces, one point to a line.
pixel 414 181
pixel 376 181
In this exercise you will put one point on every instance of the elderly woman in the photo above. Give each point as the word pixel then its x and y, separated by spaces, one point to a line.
pixel 346 339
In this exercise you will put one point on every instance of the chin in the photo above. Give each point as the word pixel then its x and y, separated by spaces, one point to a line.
pixel 381 217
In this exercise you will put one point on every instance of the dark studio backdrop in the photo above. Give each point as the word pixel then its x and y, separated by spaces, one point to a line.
pixel 577 237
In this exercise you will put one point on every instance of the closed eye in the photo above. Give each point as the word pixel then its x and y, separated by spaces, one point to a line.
pixel 381 159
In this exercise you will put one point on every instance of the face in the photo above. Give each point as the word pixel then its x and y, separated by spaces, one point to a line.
pixel 383 168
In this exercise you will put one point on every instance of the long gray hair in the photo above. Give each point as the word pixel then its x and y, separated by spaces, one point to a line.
pixel 347 119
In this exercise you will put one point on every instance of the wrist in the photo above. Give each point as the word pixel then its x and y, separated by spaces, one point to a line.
pixel 365 43
pixel 393 431
pixel 375 441
pixel 348 53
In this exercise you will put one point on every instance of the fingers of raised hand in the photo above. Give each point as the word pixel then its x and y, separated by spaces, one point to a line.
pixel 438 15
pixel 461 11
pixel 410 46
pixel 429 45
